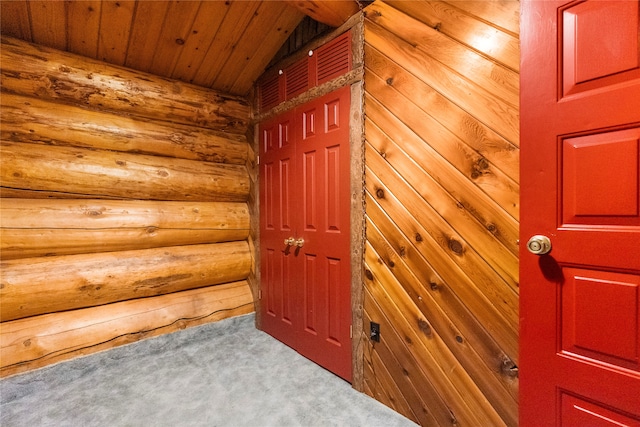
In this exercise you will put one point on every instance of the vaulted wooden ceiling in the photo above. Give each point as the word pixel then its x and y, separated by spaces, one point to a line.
pixel 223 45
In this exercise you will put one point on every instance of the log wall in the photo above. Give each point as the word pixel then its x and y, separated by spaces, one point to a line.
pixel 441 256
pixel 124 206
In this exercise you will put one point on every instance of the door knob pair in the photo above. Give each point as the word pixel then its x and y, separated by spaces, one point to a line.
pixel 291 241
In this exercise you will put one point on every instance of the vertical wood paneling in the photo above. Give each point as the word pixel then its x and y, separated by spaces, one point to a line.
pixel 442 208
pixel 15 19
pixel 241 54
pixel 145 32
pixel 48 23
pixel 84 40
pixel 112 45
pixel 258 58
pixel 237 18
pixel 175 30
pixel 203 31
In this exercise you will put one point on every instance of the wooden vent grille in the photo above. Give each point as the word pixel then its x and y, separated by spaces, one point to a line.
pixel 269 92
pixel 296 79
pixel 327 62
pixel 334 58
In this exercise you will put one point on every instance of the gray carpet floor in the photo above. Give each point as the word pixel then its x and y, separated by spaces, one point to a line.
pixel 222 374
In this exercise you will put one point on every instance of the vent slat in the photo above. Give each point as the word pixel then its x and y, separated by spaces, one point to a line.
pixel 334 58
pixel 269 93
pixel 297 78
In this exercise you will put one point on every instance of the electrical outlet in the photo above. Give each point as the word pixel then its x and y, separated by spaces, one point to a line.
pixel 375 332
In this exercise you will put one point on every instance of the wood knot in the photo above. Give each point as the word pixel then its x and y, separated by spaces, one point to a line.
pixel 492 228
pixel 424 326
pixel 418 237
pixel 391 264
pixel 64 69
pixel 456 247
pixel 479 168
pixel 508 368
pixel 26 343
pixel 402 251
pixel 380 193
pixel 438 26
pixel 121 163
pixel 390 81
pixel 179 41
pixel 459 339
pixel 368 274
pixel 163 173
pixel 196 210
pixel 434 286
pixel 152 230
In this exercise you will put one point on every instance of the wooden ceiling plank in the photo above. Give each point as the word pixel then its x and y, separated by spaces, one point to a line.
pixel 83 39
pixel 281 29
pixel 242 52
pixel 14 19
pixel 49 23
pixel 232 28
pixel 333 13
pixel 145 32
pixel 204 30
pixel 175 30
pixel 115 24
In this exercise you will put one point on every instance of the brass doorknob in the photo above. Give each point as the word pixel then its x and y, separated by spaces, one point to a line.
pixel 300 242
pixel 539 245
pixel 290 241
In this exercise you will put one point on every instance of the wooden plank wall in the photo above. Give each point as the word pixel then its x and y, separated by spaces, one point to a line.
pixel 441 256
pixel 124 206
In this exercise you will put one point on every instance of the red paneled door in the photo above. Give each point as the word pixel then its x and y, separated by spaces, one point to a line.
pixel 580 177
pixel 305 230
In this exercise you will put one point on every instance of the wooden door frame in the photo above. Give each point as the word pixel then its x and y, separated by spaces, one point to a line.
pixel 354 79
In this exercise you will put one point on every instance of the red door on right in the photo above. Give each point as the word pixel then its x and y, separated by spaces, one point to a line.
pixel 580 194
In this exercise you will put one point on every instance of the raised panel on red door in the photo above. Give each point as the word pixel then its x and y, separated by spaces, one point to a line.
pixel 323 167
pixel 278 216
pixel 580 157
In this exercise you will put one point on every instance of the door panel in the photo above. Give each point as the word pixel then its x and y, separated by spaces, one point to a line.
pixel 578 412
pixel 587 192
pixel 311 285
pixel 324 138
pixel 278 199
pixel 580 160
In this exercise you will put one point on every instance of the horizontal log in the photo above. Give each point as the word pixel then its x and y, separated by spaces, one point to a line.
pixel 38 341
pixel 47 73
pixel 34 286
pixel 17 193
pixel 26 119
pixel 129 176
pixel 37 227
